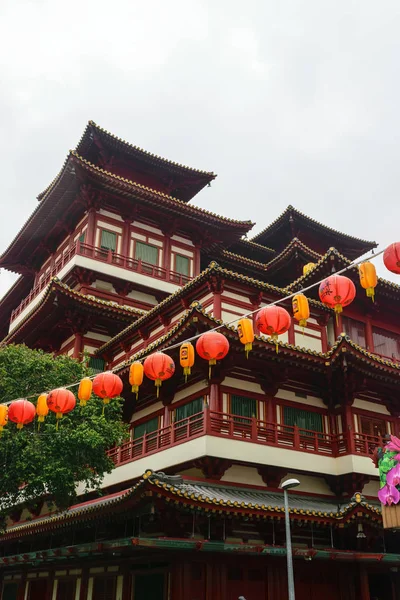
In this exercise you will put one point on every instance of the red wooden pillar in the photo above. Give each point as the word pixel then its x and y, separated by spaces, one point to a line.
pixel 217 307
pixel 270 416
pixel 214 397
pixel 291 333
pixel 369 339
pixel 364 584
pixel 167 264
pixel 348 428
pixel 167 415
pixel 126 237
pixel 196 266
pixel 337 325
pixel 78 345
pixel 91 228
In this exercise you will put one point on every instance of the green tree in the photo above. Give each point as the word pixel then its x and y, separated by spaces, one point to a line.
pixel 50 463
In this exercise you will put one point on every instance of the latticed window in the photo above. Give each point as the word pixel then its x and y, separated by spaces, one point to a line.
pixel 81 238
pixel 10 591
pixel 243 406
pixel 104 588
pixel 386 343
pixel 355 330
pixel 188 410
pixel 146 253
pixel 146 427
pixel 374 427
pixel 96 364
pixel 182 265
pixel 108 240
pixel 66 590
pixel 304 419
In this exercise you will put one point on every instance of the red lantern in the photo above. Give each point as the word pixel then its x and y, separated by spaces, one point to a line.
pixel 391 258
pixel 273 321
pixel 158 367
pixel 21 412
pixel 107 385
pixel 212 346
pixel 337 291
pixel 61 401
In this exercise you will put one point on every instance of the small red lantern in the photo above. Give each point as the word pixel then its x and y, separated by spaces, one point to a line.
pixel 212 346
pixel 391 258
pixel 61 401
pixel 337 291
pixel 158 367
pixel 21 412
pixel 107 385
pixel 273 320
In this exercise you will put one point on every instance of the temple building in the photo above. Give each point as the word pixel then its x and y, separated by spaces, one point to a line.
pixel 117 261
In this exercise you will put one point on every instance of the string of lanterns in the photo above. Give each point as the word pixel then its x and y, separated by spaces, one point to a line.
pixel 335 291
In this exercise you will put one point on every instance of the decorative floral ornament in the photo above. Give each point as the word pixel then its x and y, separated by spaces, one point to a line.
pixel 393 476
pixel 389 494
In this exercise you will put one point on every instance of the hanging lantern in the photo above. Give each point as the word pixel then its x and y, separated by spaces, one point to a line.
pixel 42 410
pixel 368 278
pixel 136 371
pixel 308 267
pixel 301 309
pixel 391 258
pixel 336 292
pixel 3 416
pixel 107 385
pixel 186 358
pixel 212 346
pixel 158 367
pixel 61 401
pixel 246 334
pixel 273 321
pixel 21 412
pixel 85 390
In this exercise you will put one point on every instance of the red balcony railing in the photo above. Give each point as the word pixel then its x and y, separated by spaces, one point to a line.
pixel 244 429
pixel 104 256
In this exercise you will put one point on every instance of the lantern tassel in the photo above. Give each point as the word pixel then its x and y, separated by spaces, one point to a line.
pixel 371 293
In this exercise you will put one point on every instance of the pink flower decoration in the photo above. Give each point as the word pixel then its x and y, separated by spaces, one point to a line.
pixel 389 495
pixel 393 444
pixel 393 476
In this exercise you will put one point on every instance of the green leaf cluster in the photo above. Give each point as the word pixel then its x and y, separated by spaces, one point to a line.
pixel 49 463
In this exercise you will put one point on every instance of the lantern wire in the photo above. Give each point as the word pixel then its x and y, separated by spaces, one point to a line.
pixel 222 325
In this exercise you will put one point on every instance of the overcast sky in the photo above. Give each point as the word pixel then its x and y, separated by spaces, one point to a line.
pixel 289 102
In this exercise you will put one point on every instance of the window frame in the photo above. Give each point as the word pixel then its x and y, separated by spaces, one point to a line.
pixel 149 245
pixel 144 422
pixel 189 264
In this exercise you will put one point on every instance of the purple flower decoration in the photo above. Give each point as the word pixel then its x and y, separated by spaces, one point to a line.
pixel 394 444
pixel 393 476
pixel 389 495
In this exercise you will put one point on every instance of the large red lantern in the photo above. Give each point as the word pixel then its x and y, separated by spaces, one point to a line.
pixel 212 346
pixel 273 320
pixel 107 385
pixel 61 401
pixel 21 412
pixel 391 258
pixel 158 367
pixel 337 291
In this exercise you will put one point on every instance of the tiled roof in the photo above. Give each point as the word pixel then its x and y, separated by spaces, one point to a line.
pixel 291 211
pixel 57 286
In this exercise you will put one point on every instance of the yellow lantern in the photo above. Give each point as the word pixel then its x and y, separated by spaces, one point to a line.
pixel 308 267
pixel 246 334
pixel 85 390
pixel 3 416
pixel 301 309
pixel 136 376
pixel 368 278
pixel 42 410
pixel 186 358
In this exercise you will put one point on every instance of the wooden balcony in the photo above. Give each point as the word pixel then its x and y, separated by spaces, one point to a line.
pixel 102 256
pixel 244 429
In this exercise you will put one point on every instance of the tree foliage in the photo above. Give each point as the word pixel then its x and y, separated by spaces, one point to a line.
pixel 50 463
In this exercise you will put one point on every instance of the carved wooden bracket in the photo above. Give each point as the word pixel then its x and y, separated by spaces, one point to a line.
pixel 272 476
pixel 347 485
pixel 212 468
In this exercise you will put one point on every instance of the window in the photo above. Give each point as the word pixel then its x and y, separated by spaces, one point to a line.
pixel 355 330
pixel 386 343
pixel 146 253
pixel 81 238
pixel 96 364
pixel 371 426
pixel 304 419
pixel 10 591
pixel 182 265
pixel 245 407
pixel 66 590
pixel 108 240
pixel 146 427
pixel 188 410
pixel 104 588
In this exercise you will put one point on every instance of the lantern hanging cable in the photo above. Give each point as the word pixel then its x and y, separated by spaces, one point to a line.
pixel 197 336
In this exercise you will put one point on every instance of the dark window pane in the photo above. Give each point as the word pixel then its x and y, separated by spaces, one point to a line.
pixel 182 265
pixel 96 364
pixel 66 590
pixel 104 588
pixel 245 407
pixel 187 410
pixel 146 427
pixel 10 591
pixel 108 240
pixel 304 419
